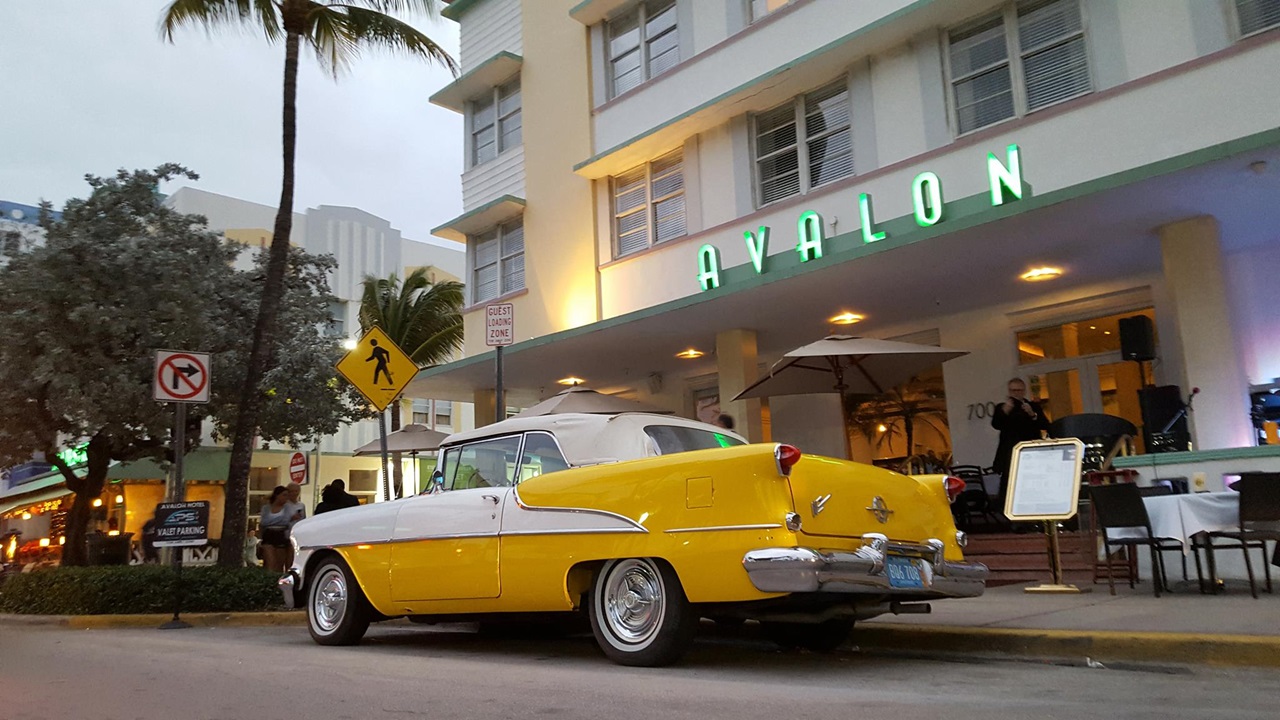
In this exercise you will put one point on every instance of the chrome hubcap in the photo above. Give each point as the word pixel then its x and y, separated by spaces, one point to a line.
pixel 329 602
pixel 633 601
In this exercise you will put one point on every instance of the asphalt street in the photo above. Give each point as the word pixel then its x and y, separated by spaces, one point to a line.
pixel 404 671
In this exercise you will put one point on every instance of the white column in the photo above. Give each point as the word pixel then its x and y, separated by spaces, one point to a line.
pixel 1196 283
pixel 738 365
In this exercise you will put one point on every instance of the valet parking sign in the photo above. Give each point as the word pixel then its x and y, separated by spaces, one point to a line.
pixel 182 524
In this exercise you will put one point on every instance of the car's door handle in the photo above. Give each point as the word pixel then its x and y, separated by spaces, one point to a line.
pixel 494 498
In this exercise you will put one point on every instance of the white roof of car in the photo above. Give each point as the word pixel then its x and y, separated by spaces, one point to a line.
pixel 589 439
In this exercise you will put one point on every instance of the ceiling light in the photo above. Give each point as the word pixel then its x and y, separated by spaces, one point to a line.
pixel 846 318
pixel 571 381
pixel 881 428
pixel 1106 332
pixel 97 502
pixel 1041 273
pixel 1093 327
pixel 690 354
pixel 26 516
pixel 119 499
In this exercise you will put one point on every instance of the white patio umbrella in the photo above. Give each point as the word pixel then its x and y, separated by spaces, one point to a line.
pixel 578 399
pixel 412 439
pixel 847 365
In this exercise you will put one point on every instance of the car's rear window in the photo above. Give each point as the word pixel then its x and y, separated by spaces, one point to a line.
pixel 670 439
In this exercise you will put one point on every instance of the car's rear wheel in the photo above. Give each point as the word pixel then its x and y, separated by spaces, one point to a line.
pixel 823 637
pixel 337 611
pixel 639 613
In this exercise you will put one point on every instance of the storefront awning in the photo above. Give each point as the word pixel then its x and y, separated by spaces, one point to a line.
pixel 12 503
pixel 201 464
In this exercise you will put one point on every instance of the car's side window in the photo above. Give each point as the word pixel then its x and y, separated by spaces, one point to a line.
pixel 670 439
pixel 541 456
pixel 488 463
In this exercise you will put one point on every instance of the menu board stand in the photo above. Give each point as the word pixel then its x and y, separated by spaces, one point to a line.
pixel 1044 485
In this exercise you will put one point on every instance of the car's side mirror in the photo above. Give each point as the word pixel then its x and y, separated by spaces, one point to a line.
pixel 437 483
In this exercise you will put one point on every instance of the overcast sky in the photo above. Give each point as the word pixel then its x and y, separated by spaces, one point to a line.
pixel 90 87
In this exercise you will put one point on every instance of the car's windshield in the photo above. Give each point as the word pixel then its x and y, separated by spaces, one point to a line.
pixel 670 439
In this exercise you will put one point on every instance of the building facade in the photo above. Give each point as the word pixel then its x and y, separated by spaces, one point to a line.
pixel 736 178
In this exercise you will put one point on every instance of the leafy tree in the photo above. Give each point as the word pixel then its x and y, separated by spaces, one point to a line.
pixel 119 277
pixel 336 32
pixel 423 319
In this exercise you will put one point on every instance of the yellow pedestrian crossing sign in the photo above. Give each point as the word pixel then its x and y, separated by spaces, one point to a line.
pixel 378 368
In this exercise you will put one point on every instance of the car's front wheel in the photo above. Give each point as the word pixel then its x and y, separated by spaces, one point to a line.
pixel 639 613
pixel 337 611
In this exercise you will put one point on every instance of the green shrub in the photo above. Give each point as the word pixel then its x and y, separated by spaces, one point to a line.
pixel 123 589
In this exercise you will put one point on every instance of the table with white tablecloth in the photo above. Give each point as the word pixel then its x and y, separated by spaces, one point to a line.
pixel 1183 517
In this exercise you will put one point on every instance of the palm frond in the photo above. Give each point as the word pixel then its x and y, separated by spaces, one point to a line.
pixel 364 27
pixel 328 35
pixel 214 14
pixel 431 8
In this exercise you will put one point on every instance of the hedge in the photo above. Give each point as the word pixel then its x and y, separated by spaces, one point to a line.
pixel 123 589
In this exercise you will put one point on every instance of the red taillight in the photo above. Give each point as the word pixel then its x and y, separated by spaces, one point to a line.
pixel 787 456
pixel 954 486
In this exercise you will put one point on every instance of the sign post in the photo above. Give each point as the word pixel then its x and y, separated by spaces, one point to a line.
pixel 178 525
pixel 499 331
pixel 180 378
pixel 381 382
pixel 1044 484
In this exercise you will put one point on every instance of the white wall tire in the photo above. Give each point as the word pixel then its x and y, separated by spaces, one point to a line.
pixel 337 611
pixel 639 613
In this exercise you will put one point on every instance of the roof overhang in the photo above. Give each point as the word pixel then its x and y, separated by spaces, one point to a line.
pixel 487 75
pixel 495 212
pixel 1101 232
pixel 590 12
pixel 456 8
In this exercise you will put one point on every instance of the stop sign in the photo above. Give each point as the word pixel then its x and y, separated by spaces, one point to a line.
pixel 298 468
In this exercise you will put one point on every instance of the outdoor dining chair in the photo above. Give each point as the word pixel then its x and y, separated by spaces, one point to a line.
pixel 1119 505
pixel 973 500
pixel 1259 503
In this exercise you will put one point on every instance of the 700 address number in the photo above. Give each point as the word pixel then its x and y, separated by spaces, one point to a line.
pixel 981 411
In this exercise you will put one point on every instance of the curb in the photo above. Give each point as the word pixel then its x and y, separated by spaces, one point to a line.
pixel 100 622
pixel 1186 648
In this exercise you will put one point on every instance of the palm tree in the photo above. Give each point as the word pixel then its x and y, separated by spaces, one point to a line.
pixel 921 400
pixel 337 32
pixel 423 318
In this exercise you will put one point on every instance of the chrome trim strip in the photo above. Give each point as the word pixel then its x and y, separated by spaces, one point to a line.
pixel 577 531
pixel 715 528
pixel 452 536
pixel 515 493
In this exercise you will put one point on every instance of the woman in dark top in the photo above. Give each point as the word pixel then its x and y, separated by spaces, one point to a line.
pixel 1018 419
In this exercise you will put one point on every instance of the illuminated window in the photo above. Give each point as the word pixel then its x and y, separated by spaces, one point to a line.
pixel 1254 16
pixel 804 144
pixel 648 204
pixel 496 122
pixel 1029 56
pixel 642 44
pixel 498 261
pixel 760 8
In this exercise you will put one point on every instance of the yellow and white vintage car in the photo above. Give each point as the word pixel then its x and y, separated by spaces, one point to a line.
pixel 645 523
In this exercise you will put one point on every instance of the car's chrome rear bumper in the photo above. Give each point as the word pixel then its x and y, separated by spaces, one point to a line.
pixel 802 569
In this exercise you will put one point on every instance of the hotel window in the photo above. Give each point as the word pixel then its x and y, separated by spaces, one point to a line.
pixel 1030 56
pixel 363 484
pixel 498 261
pixel 338 315
pixel 422 412
pixel 495 122
pixel 1254 16
pixel 804 144
pixel 760 8
pixel 648 204
pixel 443 412
pixel 642 44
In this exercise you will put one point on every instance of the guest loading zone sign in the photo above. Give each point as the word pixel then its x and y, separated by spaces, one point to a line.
pixel 926 194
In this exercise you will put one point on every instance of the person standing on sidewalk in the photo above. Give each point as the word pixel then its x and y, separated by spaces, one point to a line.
pixel 1018 419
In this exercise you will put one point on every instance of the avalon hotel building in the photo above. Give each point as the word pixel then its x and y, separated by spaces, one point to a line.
pixel 674 193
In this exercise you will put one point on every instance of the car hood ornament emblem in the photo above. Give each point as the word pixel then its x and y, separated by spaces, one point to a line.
pixel 819 504
pixel 882 511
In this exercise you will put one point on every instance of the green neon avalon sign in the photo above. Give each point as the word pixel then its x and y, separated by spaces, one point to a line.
pixel 1005 180
pixel 74 456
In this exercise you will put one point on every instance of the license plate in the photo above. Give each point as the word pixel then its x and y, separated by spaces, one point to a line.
pixel 903 572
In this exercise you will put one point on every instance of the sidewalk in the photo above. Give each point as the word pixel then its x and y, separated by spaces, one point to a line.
pixel 1133 625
